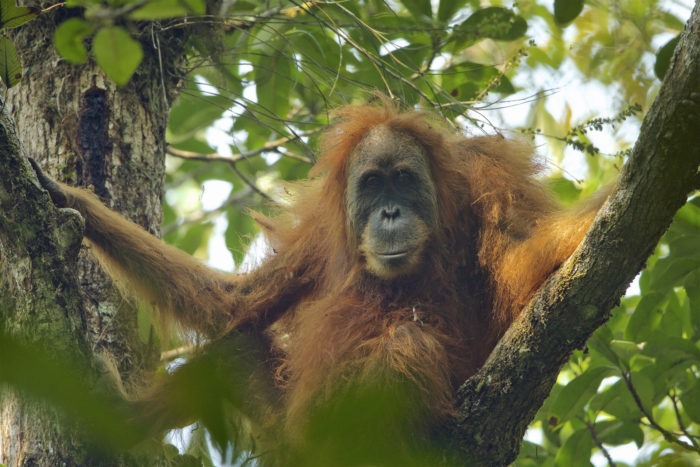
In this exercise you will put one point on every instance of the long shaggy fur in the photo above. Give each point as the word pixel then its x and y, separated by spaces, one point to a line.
pixel 327 323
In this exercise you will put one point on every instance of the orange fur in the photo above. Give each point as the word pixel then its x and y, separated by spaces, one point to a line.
pixel 499 236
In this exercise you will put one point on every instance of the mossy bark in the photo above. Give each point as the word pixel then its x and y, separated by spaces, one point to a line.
pixel 85 130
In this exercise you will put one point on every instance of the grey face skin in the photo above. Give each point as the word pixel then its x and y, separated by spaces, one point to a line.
pixel 391 201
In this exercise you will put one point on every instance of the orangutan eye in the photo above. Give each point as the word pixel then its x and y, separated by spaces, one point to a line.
pixel 371 181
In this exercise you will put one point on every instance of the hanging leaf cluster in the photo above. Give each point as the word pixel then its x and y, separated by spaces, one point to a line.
pixel 113 47
pixel 12 16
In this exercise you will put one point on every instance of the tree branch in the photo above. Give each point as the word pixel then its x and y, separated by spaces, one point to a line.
pixel 235 199
pixel 496 405
pixel 668 436
pixel 598 442
pixel 271 146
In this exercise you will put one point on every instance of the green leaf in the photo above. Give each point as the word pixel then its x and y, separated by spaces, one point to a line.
pixel 69 39
pixel 194 237
pixel 687 219
pixel 448 8
pixel 58 378
pixel 240 231
pixel 495 23
pixel 290 169
pixel 675 318
pixel 412 56
pixel 663 57
pixel 117 53
pixel 673 350
pixel 691 402
pixel 565 189
pixel 644 387
pixel 273 75
pixel 163 9
pixel 617 401
pixel 10 68
pixel 577 392
pixel 684 245
pixel 600 343
pixel 567 10
pixel 504 86
pixel 419 7
pixel 646 317
pixel 576 451
pixel 258 133
pixel 464 81
pixel 12 16
pixel 692 289
pixel 640 362
pixel 193 112
pixel 671 271
pixel 625 349
pixel 82 3
pixel 195 144
pixel 617 432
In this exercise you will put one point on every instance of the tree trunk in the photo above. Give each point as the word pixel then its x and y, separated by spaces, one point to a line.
pixel 83 129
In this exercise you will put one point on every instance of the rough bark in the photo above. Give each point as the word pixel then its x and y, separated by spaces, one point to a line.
pixel 85 130
pixel 499 402
pixel 37 259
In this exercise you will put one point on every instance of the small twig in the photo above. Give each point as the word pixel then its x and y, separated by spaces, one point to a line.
pixel 156 45
pixel 241 22
pixel 231 160
pixel 52 7
pixel 668 436
pixel 496 80
pixel 178 352
pixel 435 50
pixel 202 216
pixel 381 66
pixel 679 420
pixel 598 442
pixel 270 146
pixel 251 183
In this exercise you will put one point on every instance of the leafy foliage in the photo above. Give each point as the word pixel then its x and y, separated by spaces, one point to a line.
pixel 117 53
pixel 12 16
pixel 566 11
pixel 70 40
pixel 663 57
pixel 10 69
pixel 636 382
